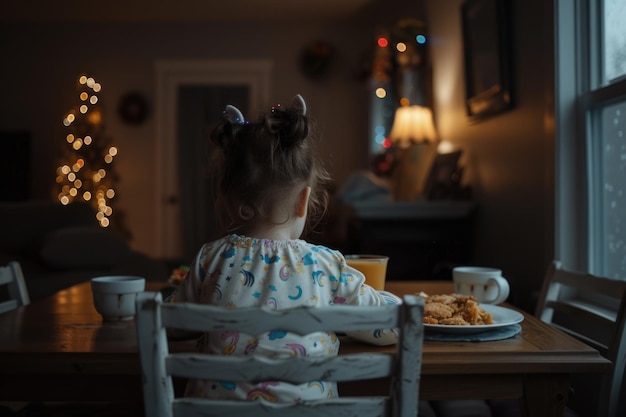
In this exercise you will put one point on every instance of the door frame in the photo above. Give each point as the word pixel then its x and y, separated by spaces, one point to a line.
pixel 170 75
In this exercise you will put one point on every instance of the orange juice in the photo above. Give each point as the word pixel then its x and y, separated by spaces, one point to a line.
pixel 374 267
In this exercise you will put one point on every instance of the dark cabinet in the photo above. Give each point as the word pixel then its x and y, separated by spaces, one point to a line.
pixel 424 240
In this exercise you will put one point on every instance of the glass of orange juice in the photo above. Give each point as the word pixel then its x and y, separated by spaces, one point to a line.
pixel 374 267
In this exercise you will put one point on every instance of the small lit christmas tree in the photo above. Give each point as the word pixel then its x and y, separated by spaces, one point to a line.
pixel 86 172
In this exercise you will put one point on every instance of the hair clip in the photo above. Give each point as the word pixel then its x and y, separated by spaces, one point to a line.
pixel 299 104
pixel 233 115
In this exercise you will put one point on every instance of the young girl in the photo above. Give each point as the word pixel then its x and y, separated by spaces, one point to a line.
pixel 269 183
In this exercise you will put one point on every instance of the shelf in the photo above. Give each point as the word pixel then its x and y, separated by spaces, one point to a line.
pixel 413 210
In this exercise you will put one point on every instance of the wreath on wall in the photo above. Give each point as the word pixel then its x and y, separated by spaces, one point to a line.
pixel 133 108
pixel 316 59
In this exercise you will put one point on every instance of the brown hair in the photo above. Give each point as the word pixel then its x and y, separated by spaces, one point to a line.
pixel 258 164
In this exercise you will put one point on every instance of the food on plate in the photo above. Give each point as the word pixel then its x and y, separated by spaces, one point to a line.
pixel 178 275
pixel 454 309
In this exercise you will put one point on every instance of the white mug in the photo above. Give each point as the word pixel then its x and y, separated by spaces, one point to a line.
pixel 486 284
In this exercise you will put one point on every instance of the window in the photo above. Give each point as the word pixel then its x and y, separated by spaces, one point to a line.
pixel 591 135
pixel 614 39
pixel 400 75
pixel 611 183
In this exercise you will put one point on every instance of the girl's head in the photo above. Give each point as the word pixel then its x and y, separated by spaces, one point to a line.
pixel 261 167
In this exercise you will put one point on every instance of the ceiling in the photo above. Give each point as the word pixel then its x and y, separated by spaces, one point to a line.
pixel 177 10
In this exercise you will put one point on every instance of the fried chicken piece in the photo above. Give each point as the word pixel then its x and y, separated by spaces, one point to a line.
pixel 438 311
pixel 454 309
pixel 455 321
pixel 471 312
pixel 442 298
pixel 486 318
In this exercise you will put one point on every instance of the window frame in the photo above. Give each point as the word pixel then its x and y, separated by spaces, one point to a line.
pixel 578 112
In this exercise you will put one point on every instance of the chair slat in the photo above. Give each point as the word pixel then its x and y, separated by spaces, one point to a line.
pixel 11 275
pixel 409 362
pixel 158 365
pixel 340 407
pixel 5 275
pixel 589 283
pixel 301 320
pixel 600 347
pixel 293 370
pixel 8 306
pixel 585 315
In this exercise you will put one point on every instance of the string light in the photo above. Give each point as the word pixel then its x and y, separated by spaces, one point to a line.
pixel 85 177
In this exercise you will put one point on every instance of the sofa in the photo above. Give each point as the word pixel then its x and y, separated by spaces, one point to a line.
pixel 59 246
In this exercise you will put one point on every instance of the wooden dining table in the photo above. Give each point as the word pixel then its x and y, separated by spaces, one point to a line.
pixel 59 349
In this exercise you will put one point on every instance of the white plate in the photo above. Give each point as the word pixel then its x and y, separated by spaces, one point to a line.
pixel 502 317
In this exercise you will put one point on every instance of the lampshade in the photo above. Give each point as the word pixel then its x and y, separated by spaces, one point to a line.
pixel 412 124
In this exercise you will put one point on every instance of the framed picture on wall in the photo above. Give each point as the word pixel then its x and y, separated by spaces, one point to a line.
pixel 444 178
pixel 487 54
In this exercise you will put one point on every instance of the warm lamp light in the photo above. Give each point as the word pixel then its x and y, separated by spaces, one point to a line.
pixel 412 124
pixel 413 133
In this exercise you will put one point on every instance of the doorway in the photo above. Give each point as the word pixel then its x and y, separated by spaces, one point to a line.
pixel 191 98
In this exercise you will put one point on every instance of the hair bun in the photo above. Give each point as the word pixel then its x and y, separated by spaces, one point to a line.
pixel 224 135
pixel 289 125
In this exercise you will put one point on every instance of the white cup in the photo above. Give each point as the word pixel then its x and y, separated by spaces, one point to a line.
pixel 486 284
pixel 114 296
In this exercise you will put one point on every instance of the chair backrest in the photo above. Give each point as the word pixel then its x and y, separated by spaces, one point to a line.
pixel 11 276
pixel 159 366
pixel 592 309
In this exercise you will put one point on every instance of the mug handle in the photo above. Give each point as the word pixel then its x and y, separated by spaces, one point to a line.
pixel 502 285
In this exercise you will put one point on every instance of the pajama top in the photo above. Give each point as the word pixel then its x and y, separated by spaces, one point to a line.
pixel 237 271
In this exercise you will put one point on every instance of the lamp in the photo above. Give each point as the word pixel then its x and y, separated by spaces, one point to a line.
pixel 414 136
pixel 412 124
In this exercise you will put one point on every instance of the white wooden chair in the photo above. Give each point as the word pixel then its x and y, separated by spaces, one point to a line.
pixel 593 310
pixel 159 366
pixel 11 276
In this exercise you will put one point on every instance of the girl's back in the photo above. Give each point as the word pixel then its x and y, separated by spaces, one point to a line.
pixel 269 184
